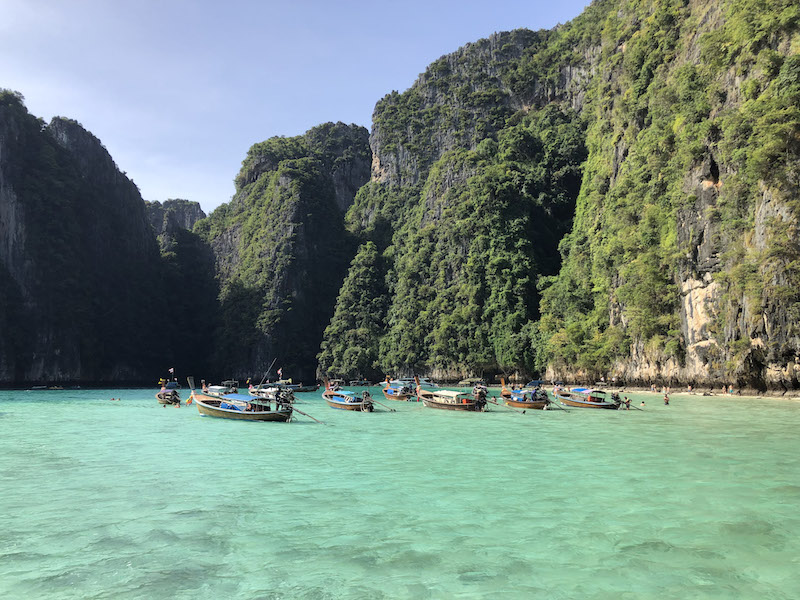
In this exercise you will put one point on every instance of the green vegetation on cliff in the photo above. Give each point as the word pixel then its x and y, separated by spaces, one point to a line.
pixel 671 136
pixel 282 249
pixel 83 292
pixel 688 119
pixel 466 271
pixel 617 195
pixel 351 342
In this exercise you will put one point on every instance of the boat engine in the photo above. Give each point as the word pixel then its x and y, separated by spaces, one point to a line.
pixel 480 398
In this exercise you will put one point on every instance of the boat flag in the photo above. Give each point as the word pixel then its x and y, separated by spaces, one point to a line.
pixel 172 369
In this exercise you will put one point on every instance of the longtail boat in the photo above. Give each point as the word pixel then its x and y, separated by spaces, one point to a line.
pixel 219 401
pixel 534 384
pixel 471 382
pixel 398 392
pixel 168 394
pixel 534 400
pixel 584 398
pixel 346 400
pixel 448 400
pixel 307 388
pixel 242 407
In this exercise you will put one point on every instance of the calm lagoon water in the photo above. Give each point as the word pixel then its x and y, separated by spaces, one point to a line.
pixel 101 499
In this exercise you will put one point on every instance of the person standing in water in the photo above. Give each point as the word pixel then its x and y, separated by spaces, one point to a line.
pixel 666 400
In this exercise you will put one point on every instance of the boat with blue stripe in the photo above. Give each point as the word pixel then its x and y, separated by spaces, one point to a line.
pixel 584 398
pixel 346 399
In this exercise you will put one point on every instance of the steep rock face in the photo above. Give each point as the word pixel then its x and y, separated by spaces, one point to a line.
pixel 685 233
pixel 468 95
pixel 469 197
pixel 78 256
pixel 173 215
pixel 188 265
pixel 281 249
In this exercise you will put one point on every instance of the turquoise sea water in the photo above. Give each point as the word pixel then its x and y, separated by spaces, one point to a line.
pixel 101 499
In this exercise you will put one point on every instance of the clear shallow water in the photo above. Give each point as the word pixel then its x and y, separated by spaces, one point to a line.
pixel 127 499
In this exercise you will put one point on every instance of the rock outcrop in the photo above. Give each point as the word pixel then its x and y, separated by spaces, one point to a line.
pixel 78 257
pixel 281 248
pixel 172 215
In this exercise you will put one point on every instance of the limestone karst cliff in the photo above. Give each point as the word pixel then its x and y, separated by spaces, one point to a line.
pixel 685 229
pixel 78 255
pixel 281 248
pixel 98 287
pixel 678 265
pixel 616 196
pixel 172 215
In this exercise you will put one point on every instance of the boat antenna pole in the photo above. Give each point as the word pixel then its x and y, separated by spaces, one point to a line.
pixel 268 370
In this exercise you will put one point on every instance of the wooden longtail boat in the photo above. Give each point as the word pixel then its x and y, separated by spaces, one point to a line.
pixel 242 407
pixel 307 388
pixel 448 400
pixel 166 397
pixel 168 394
pixel 535 400
pixel 395 392
pixel 346 400
pixel 584 398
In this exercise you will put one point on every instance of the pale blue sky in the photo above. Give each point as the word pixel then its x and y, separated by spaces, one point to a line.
pixel 178 90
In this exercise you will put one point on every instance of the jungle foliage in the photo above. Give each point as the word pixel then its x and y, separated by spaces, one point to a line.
pixel 467 217
pixel 282 249
pixel 656 117
pixel 90 289
pixel 538 199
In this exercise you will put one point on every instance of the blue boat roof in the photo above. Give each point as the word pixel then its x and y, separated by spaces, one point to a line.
pixel 242 397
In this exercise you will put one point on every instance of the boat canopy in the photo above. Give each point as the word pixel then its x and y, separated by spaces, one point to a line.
pixel 448 393
pixel 218 389
pixel 588 391
pixel 240 397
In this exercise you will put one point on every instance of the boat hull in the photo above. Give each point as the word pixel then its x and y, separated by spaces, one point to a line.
pixel 307 388
pixel 578 403
pixel 346 401
pixel 431 403
pixel 401 397
pixel 167 398
pixel 341 405
pixel 206 406
pixel 532 405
